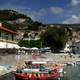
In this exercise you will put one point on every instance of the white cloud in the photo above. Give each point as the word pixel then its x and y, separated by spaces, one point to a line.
pixel 37 15
pixel 50 10
pixel 73 7
pixel 75 2
pixel 72 20
pixel 33 17
pixel 56 10
pixel 43 11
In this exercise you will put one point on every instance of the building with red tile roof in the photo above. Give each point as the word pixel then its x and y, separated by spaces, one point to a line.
pixel 8 38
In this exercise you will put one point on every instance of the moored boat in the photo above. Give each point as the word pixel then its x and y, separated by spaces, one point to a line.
pixel 38 71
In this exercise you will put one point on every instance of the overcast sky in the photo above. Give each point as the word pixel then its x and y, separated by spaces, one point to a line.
pixel 46 11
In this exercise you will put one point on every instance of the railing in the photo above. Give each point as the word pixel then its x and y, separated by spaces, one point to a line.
pixel 10 41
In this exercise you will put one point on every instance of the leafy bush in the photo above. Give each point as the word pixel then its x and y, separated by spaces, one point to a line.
pixel 31 43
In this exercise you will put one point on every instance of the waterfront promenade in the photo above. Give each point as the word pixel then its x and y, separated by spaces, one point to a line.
pixel 14 59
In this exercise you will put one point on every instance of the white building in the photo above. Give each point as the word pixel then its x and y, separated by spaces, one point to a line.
pixel 8 41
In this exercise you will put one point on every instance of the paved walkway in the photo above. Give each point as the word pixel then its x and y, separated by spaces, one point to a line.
pixel 56 58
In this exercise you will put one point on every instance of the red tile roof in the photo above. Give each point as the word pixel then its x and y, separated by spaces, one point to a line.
pixel 8 30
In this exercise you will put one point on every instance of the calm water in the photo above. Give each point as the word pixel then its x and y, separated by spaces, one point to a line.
pixel 72 73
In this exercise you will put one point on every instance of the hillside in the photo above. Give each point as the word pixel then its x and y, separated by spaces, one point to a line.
pixel 18 21
pixel 10 15
pixel 11 18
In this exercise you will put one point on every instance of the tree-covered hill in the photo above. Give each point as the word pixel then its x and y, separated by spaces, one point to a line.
pixel 10 15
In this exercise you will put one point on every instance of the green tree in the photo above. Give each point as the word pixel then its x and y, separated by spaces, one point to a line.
pixel 31 43
pixel 34 26
pixel 55 38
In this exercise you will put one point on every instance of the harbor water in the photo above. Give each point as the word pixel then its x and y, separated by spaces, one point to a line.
pixel 71 73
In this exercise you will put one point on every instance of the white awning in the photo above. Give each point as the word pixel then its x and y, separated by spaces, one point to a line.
pixel 8 45
pixel 34 48
pixel 38 62
pixel 25 48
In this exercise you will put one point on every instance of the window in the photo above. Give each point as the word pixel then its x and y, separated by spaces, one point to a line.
pixel 0 33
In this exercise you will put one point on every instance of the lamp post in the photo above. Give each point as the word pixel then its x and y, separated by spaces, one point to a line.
pixel 6 36
pixel 29 44
pixel 41 44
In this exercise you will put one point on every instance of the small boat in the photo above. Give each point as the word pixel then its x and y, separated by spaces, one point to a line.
pixel 70 64
pixel 78 63
pixel 21 76
pixel 24 76
pixel 38 68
